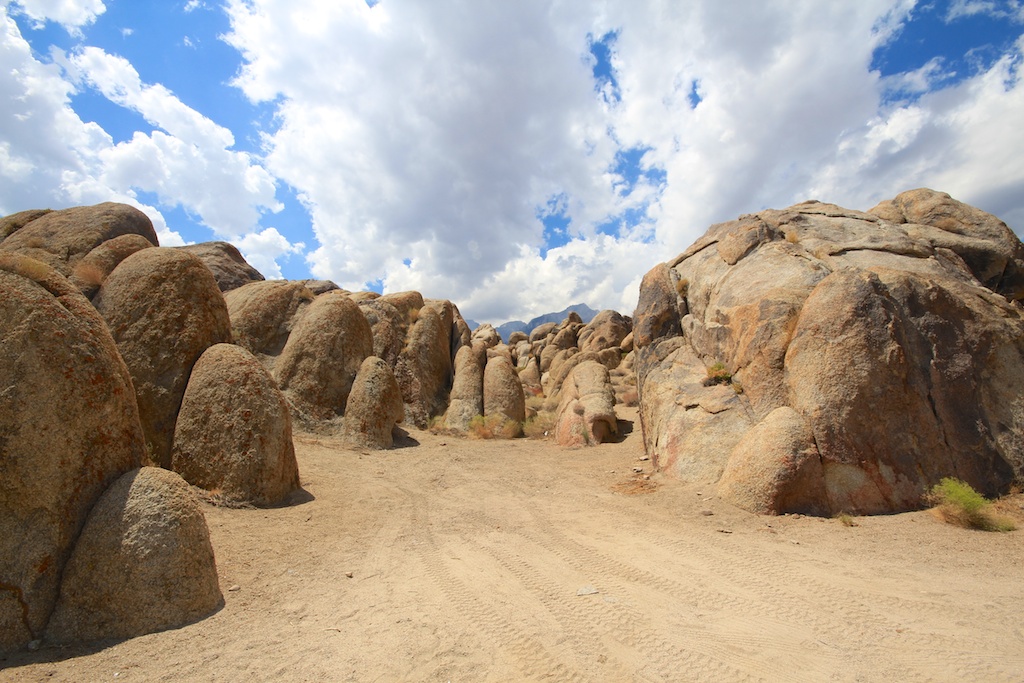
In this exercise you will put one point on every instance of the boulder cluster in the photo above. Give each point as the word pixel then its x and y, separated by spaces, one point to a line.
pixel 131 371
pixel 821 360
pixel 562 377
pixel 118 379
pixel 812 359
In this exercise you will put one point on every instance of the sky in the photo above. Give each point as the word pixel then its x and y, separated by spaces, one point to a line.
pixel 514 157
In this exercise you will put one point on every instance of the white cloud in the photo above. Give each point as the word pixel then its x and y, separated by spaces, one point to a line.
pixel 999 9
pixel 72 14
pixel 51 158
pixel 262 250
pixel 191 164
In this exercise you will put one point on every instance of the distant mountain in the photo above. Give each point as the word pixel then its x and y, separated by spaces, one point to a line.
pixel 585 312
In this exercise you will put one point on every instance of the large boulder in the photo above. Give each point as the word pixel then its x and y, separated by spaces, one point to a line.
pixel 229 267
pixel 896 345
pixel 586 412
pixel 503 393
pixel 467 396
pixel 389 326
pixel 374 406
pixel 164 310
pixel 424 369
pixel 263 313
pixel 16 221
pixel 234 432
pixel 61 238
pixel 319 362
pixel 90 272
pixel 143 563
pixel 69 426
pixel 607 330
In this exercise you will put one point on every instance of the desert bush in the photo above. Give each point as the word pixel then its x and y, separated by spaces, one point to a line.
pixel 541 425
pixel 846 519
pixel 958 503
pixel 718 374
pixel 535 402
pixel 494 427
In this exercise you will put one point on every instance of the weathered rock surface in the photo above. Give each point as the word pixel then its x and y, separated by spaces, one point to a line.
pixel 61 238
pixel 503 393
pixel 90 272
pixel 895 337
pixel 374 406
pixel 424 369
pixel 607 330
pixel 263 313
pixel 586 412
pixel 143 563
pixel 69 426
pixel 164 310
pixel 229 267
pixel 323 354
pixel 16 221
pixel 467 396
pixel 234 432
pixel 389 326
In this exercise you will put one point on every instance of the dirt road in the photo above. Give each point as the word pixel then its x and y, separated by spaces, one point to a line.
pixel 463 560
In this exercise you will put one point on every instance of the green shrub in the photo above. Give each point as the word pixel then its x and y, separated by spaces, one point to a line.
pixel 718 374
pixel 958 503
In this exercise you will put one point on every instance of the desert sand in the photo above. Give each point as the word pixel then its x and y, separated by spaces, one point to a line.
pixel 453 559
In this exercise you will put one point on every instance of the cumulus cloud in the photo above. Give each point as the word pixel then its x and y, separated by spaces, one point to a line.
pixel 72 14
pixel 263 248
pixel 51 158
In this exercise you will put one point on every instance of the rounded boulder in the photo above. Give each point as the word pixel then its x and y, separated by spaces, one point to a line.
pixel 144 563
pixel 234 432
pixel 69 426
pixel 164 310
pixel 374 406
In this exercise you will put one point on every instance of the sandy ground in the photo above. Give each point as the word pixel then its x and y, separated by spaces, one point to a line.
pixel 464 560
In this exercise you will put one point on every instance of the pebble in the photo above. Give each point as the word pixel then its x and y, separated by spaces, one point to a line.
pixel 587 590
pixel 706 513
pixel 349 574
pixel 234 588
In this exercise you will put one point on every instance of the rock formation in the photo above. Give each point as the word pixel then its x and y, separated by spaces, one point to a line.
pixel 229 268
pixel 62 238
pixel 69 426
pixel 319 362
pixel 893 339
pixel 586 410
pixel 164 310
pixel 234 433
pixel 263 314
pixel 374 406
pixel 144 563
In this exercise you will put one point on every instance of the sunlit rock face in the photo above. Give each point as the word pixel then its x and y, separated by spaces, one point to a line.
pixel 818 359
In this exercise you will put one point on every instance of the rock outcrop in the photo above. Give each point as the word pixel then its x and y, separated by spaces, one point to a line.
pixel 164 310
pixel 502 392
pixel 144 563
pixel 62 238
pixel 586 411
pixel 892 342
pixel 69 427
pixel 234 433
pixel 374 406
pixel 229 267
pixel 424 368
pixel 263 313
pixel 319 362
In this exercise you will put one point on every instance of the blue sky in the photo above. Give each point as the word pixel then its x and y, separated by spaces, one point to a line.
pixel 512 157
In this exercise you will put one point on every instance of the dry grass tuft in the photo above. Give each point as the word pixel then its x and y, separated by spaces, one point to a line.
pixel 958 503
pixel 494 427
pixel 541 425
